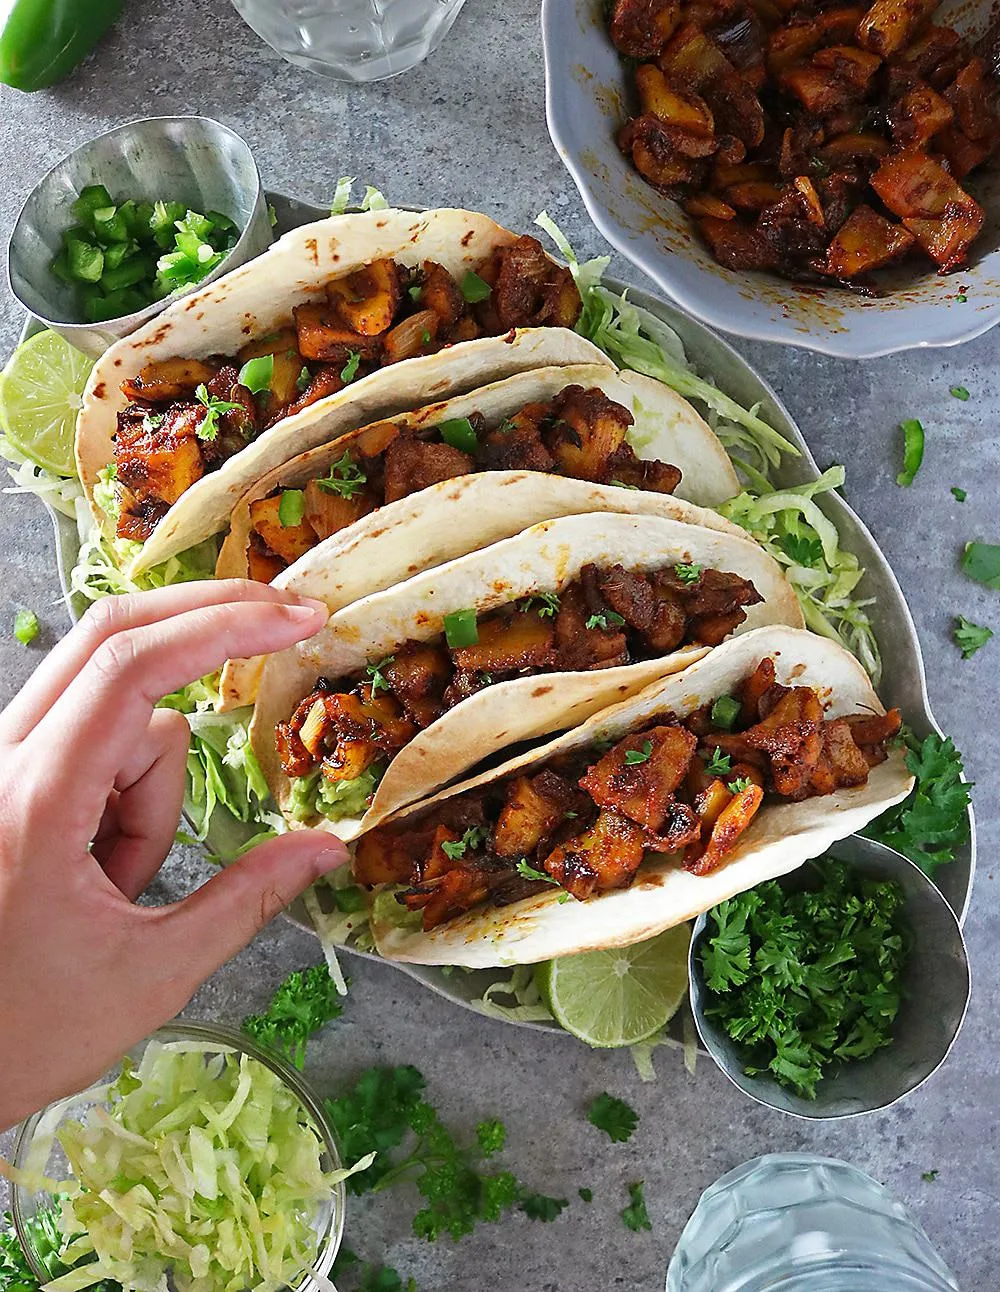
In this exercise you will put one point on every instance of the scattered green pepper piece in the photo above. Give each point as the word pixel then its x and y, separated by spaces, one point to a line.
pixel 292 507
pixel 460 434
pixel 461 629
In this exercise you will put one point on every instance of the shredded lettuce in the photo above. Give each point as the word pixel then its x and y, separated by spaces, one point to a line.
pixel 520 988
pixel 804 541
pixel 202 1166
pixel 373 200
pixel 335 800
pixel 60 492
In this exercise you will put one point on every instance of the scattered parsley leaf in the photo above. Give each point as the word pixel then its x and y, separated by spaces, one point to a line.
pixel 414 291
pixel 303 379
pixel 208 427
pixel 345 478
pixel 958 494
pixel 739 785
pixel 492 1136
pixel 805 980
pixel 719 764
pixel 304 1003
pixel 688 573
pixel 587 1195
pixel 930 1176
pixel 26 626
pixel 959 392
pixel 933 822
pixel 801 549
pixel 529 872
pixel 635 1215
pixel 913 451
pixel 472 839
pixel 545 603
pixel 635 756
pixel 350 368
pixel 614 1117
pixel 425 337
pixel 961 298
pixel 537 1206
pixel 970 637
pixel 605 620
pixel 376 676
pixel 982 563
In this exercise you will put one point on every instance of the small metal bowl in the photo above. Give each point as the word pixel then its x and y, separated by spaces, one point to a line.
pixel 936 985
pixel 179 159
pixel 213 1038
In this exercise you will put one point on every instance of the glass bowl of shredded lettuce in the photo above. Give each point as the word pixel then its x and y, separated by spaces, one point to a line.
pixel 202 1163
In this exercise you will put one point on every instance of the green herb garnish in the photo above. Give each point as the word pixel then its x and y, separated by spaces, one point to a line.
pixel 959 392
pixel 970 637
pixel 929 1177
pixel 208 428
pixel 527 871
pixel 958 494
pixel 305 1002
pixel 350 369
pixel 586 1195
pixel 545 604
pixel 801 549
pixel 344 479
pixel 719 764
pixel 913 450
pixel 739 785
pixel 605 620
pixel 635 756
pixel 982 563
pixel 376 676
pixel 635 1216
pixel 688 573
pixel 473 839
pixel 303 379
pixel 613 1116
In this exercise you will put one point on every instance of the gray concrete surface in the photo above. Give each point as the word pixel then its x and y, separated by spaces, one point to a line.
pixel 468 127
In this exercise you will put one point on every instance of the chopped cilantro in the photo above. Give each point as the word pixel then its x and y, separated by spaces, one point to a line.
pixel 492 1136
pixel 303 380
pixel 970 637
pixel 739 785
pixel 982 563
pixel 614 1117
pixel 959 392
pixel 605 620
pixel 933 821
pixel 376 676
pixel 913 450
pixel 687 573
pixel 350 368
pixel 635 756
pixel 801 549
pixel 959 494
pixel 425 337
pixel 345 478
pixel 930 1176
pixel 473 839
pixel 586 1195
pixel 536 1206
pixel 719 764
pixel 304 1002
pixel 529 872
pixel 208 428
pixel 545 603
pixel 806 980
pixel 414 291
pixel 635 1216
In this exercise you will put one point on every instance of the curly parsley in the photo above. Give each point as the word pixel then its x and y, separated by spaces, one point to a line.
pixel 304 1002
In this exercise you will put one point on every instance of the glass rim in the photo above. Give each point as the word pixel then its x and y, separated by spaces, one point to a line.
pixel 213 1037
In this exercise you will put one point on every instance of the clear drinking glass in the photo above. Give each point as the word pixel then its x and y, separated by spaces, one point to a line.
pixel 352 40
pixel 790 1222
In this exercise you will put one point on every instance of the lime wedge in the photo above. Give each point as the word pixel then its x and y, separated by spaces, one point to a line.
pixel 618 997
pixel 41 392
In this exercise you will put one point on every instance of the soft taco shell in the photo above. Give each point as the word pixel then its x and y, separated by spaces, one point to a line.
pixel 544 558
pixel 458 516
pixel 257 296
pixel 780 839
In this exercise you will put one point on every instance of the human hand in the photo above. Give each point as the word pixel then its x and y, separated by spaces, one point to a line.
pixel 91 787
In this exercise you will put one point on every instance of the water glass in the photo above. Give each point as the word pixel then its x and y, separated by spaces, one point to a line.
pixel 791 1222
pixel 352 40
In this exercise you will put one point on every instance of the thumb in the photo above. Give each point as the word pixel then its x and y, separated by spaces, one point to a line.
pixel 220 918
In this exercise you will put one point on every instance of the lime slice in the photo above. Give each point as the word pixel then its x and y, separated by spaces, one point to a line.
pixel 41 392
pixel 621 996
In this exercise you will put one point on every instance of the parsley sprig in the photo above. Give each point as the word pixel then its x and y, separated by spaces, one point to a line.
pixel 802 981
pixel 970 637
pixel 304 1002
pixel 344 479
pixel 208 427
pixel 387 1107
pixel 613 1116
pixel 635 1215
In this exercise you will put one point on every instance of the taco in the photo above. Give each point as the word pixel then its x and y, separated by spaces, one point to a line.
pixel 407 689
pixel 338 323
pixel 757 757
pixel 389 500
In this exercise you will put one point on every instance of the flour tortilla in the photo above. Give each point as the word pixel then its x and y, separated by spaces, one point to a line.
pixel 781 838
pixel 259 296
pixel 544 558
pixel 457 516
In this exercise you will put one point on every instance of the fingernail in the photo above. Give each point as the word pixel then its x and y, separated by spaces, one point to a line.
pixel 306 608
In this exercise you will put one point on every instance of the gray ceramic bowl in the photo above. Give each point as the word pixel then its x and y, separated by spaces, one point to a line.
pixel 936 985
pixel 588 95
pixel 182 159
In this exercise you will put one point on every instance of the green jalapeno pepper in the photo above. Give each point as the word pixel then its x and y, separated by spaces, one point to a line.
pixel 41 41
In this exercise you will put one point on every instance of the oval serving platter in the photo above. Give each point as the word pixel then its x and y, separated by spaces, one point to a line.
pixel 903 685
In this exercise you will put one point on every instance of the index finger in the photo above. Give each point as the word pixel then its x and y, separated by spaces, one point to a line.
pixel 113 615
